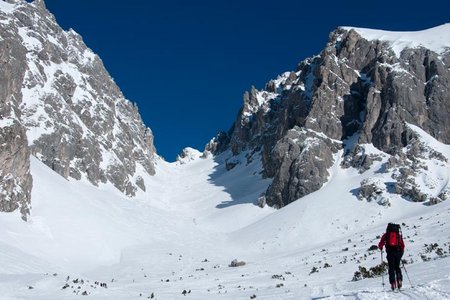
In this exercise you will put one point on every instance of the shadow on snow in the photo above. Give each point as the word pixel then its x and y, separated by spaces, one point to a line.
pixel 243 182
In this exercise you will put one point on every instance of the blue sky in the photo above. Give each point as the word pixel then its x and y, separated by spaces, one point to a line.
pixel 187 63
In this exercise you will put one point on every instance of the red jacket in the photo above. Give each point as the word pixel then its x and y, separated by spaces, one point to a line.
pixel 383 242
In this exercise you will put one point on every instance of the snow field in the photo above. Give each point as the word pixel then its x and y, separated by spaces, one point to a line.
pixel 196 218
pixel 436 39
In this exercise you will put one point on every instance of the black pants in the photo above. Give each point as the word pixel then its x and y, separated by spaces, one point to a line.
pixel 394 258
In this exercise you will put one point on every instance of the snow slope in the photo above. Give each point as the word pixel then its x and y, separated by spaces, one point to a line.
pixel 196 218
pixel 436 39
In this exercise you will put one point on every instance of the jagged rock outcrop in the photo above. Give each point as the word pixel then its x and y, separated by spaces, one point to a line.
pixel 59 103
pixel 357 91
pixel 372 190
pixel 15 178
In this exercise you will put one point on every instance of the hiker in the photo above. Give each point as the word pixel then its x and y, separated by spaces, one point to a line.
pixel 393 241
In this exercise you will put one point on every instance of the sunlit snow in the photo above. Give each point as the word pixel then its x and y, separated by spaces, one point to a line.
pixel 196 217
pixel 436 39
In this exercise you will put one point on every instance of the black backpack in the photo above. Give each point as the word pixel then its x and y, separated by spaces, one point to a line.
pixel 393 236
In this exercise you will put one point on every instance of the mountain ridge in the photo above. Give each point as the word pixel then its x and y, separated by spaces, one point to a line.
pixel 66 109
pixel 354 86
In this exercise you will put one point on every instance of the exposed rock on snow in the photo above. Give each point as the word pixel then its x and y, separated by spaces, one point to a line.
pixel 300 163
pixel 373 189
pixel 235 263
pixel 188 154
pixel 15 178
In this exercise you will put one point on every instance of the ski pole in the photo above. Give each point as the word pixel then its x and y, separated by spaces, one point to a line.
pixel 382 273
pixel 407 274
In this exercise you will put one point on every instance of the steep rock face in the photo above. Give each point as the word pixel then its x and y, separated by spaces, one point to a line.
pixel 15 178
pixel 59 103
pixel 357 91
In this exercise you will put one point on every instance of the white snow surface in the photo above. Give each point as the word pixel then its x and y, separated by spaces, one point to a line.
pixel 197 217
pixel 188 154
pixel 436 39
pixel 6 7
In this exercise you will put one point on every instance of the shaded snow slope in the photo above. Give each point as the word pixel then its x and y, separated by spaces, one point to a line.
pixel 198 218
pixel 436 39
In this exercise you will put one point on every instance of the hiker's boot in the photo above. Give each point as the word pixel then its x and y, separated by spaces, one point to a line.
pixel 393 286
pixel 399 284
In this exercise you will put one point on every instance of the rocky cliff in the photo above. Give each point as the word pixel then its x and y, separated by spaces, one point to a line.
pixel 365 87
pixel 58 103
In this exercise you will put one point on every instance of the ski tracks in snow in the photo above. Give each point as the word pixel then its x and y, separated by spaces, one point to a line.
pixel 426 292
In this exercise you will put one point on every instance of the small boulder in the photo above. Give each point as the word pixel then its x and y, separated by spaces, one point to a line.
pixel 236 263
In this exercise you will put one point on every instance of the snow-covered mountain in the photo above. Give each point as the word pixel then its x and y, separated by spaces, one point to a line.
pixel 60 104
pixel 355 138
pixel 367 90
